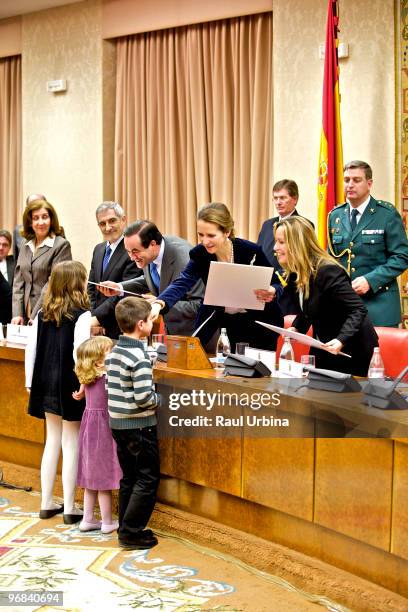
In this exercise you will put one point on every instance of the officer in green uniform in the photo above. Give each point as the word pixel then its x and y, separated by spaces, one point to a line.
pixel 369 239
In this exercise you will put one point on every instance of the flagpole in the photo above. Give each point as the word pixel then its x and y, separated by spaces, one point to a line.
pixel 330 172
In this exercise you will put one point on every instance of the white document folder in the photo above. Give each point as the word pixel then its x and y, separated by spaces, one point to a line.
pixel 302 338
pixel 233 285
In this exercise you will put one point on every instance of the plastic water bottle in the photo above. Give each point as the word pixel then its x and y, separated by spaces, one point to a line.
pixel 287 351
pixel 376 367
pixel 223 348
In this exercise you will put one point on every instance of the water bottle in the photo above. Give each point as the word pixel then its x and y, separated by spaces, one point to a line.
pixel 376 367
pixel 287 351
pixel 223 348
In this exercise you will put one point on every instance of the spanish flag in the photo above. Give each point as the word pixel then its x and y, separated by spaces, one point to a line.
pixel 330 185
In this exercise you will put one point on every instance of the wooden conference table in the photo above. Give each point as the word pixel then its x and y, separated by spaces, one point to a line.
pixel 325 485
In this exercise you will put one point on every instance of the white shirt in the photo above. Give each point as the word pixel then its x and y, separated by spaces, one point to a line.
pixel 3 268
pixel 360 209
pixel 49 241
pixel 159 259
pixel 287 216
pixel 113 245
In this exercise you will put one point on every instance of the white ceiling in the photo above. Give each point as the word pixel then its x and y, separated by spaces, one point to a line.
pixel 10 8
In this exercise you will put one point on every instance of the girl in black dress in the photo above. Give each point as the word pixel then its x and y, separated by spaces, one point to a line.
pixel 60 326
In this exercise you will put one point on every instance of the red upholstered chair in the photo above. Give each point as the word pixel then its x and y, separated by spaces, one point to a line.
pixel 299 349
pixel 159 327
pixel 393 348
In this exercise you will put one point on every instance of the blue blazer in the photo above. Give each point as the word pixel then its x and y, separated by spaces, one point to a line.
pixel 245 252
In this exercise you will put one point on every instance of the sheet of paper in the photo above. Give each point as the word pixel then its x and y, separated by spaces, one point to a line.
pixel 233 285
pixel 302 338
pixel 124 290
pixel 18 334
pixel 202 324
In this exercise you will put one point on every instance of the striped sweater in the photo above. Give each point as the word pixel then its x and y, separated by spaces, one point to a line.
pixel 131 396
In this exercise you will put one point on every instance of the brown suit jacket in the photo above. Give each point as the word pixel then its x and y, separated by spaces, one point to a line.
pixel 32 273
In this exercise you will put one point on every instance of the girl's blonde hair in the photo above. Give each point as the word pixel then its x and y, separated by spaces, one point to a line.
pixel 66 292
pixel 88 354
pixel 304 255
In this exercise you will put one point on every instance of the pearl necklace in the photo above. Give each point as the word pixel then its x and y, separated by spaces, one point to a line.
pixel 232 253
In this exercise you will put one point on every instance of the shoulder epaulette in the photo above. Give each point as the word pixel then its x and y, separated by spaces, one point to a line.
pixel 386 204
pixel 336 208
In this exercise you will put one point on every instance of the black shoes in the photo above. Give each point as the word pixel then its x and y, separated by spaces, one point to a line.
pixel 145 540
pixel 71 519
pixel 46 514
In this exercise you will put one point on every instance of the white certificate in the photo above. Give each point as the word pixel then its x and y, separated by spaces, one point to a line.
pixel 302 338
pixel 18 334
pixel 233 285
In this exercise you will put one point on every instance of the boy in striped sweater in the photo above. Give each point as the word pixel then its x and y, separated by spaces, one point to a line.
pixel 132 403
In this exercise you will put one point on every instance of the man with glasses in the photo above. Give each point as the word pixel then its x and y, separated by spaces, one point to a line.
pixel 109 261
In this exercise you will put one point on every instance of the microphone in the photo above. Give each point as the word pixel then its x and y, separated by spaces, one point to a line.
pixel 383 394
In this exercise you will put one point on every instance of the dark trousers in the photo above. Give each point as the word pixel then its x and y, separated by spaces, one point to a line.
pixel 138 455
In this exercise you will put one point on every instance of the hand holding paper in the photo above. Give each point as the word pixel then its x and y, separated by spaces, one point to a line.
pixel 110 288
pixel 265 295
pixel 308 340
pixel 333 346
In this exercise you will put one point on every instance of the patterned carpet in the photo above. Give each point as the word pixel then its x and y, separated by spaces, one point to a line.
pixel 94 574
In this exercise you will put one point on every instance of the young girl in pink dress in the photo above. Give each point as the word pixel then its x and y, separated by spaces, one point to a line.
pixel 98 467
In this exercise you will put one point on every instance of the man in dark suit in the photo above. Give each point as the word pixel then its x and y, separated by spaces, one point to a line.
pixel 162 259
pixel 7 265
pixel 109 261
pixel 285 198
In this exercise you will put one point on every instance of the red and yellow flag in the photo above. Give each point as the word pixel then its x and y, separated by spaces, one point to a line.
pixel 330 186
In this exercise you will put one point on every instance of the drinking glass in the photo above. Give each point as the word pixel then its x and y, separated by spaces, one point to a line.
pixel 308 360
pixel 240 347
pixel 157 339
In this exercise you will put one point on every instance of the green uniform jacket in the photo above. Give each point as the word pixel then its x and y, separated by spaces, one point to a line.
pixel 377 250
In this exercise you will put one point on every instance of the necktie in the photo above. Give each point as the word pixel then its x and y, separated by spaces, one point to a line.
pixel 155 276
pixel 106 258
pixel 353 220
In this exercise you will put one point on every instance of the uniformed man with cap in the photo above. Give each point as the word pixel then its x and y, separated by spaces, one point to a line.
pixel 369 238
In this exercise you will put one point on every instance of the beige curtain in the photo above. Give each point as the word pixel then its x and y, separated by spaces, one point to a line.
pixel 194 123
pixel 10 141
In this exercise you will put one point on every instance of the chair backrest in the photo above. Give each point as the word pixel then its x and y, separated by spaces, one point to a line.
pixel 394 349
pixel 299 349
